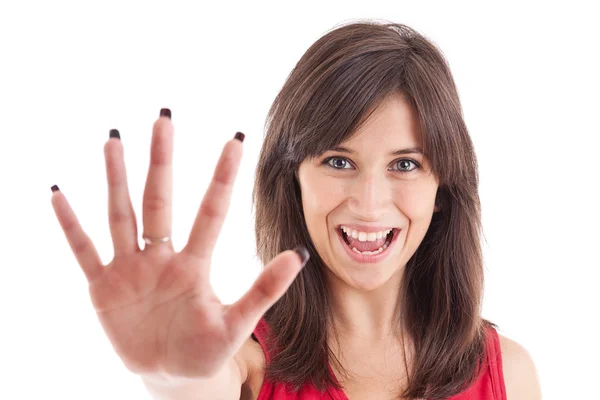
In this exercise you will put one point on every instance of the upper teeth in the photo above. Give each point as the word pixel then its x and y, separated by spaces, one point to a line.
pixel 364 236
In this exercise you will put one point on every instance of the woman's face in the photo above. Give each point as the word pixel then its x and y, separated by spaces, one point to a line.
pixel 368 189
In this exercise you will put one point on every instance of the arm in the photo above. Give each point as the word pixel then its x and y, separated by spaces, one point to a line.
pixel 225 385
pixel 520 375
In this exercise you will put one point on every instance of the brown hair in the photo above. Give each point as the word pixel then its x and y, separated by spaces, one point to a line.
pixel 332 90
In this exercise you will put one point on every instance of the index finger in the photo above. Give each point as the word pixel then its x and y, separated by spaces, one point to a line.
pixel 215 203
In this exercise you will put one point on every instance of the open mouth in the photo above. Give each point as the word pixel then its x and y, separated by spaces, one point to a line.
pixel 389 238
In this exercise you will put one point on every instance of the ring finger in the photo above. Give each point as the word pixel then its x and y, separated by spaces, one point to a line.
pixel 121 216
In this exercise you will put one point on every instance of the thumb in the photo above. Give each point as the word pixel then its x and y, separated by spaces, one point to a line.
pixel 243 316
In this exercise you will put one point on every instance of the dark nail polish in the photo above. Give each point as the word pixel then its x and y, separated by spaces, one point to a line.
pixel 165 112
pixel 240 136
pixel 303 253
pixel 54 188
pixel 114 134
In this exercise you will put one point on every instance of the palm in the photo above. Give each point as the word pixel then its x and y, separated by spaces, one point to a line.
pixel 147 307
pixel 157 306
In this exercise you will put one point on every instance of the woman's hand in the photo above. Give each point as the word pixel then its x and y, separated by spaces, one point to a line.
pixel 157 306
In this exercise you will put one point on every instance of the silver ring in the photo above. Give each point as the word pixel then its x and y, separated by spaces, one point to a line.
pixel 148 240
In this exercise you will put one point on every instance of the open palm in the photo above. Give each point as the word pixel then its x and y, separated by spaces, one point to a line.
pixel 156 305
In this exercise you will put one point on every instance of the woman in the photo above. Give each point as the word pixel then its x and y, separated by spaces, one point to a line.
pixel 368 166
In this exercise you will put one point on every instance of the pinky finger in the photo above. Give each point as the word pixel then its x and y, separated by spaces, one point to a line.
pixel 80 243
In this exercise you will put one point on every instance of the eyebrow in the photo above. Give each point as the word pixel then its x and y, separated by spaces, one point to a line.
pixel 410 150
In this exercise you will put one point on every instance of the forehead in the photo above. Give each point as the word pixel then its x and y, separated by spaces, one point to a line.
pixel 392 123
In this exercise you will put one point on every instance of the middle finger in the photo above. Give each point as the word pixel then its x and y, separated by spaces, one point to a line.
pixel 157 212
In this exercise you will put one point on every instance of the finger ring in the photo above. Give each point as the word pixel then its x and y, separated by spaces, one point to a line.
pixel 148 240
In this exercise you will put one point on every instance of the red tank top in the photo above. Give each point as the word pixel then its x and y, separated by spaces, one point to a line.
pixel 488 386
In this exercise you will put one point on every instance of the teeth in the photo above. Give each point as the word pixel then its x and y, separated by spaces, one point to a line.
pixel 371 253
pixel 364 236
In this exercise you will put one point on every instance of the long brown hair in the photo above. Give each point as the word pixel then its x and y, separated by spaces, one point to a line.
pixel 331 91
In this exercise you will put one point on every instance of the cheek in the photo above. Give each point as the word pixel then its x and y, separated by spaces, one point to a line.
pixel 416 201
pixel 321 195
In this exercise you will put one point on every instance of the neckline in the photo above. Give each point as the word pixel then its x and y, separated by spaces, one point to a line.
pixel 337 394
pixel 492 349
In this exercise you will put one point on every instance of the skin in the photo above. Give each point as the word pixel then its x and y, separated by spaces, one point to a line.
pixel 368 187
pixel 156 305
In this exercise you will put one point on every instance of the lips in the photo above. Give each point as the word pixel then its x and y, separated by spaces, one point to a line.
pixel 367 258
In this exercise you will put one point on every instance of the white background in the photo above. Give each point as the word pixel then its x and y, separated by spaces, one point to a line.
pixel 527 76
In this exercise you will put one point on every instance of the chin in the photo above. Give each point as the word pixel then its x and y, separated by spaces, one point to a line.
pixel 368 279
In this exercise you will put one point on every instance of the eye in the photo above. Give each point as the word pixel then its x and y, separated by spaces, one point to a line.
pixel 342 163
pixel 405 162
pixel 338 162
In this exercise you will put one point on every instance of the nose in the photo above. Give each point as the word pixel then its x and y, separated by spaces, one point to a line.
pixel 370 196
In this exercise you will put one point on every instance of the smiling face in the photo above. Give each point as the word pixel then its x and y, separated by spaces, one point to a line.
pixel 364 187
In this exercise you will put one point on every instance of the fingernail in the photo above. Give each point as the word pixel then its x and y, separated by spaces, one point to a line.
pixel 54 188
pixel 240 136
pixel 114 134
pixel 303 253
pixel 165 112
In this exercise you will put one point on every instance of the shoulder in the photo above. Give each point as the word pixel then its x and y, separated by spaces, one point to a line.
pixel 520 374
pixel 251 361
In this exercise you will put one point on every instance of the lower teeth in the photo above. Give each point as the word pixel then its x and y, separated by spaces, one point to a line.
pixel 371 253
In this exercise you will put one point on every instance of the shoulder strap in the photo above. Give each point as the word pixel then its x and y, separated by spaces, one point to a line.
pixel 494 356
pixel 261 333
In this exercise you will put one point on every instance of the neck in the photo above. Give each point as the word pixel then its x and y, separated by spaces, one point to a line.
pixel 359 315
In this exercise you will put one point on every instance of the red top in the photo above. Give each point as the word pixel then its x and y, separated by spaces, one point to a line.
pixel 489 385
